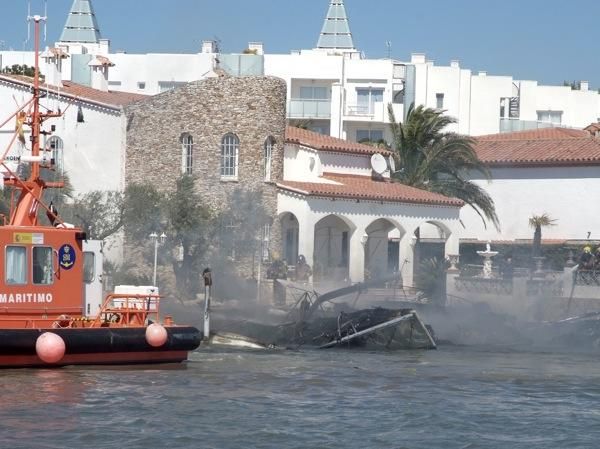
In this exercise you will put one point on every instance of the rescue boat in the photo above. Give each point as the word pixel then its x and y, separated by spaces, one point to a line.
pixel 48 316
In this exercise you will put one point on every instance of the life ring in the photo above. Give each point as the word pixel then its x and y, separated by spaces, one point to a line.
pixel 62 321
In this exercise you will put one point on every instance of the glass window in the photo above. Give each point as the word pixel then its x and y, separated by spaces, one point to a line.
pixel 314 93
pixel 16 265
pixel 554 117
pixel 89 266
pixel 42 265
pixel 321 129
pixel 439 101
pixel 268 154
pixel 230 147
pixel 187 154
pixel 366 99
pixel 369 135
pixel 266 238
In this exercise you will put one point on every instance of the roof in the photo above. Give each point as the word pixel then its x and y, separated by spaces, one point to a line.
pixel 81 25
pixel 79 91
pixel 55 52
pixel 541 133
pixel 593 128
pixel 322 142
pixel 100 61
pixel 335 33
pixel 366 188
pixel 542 147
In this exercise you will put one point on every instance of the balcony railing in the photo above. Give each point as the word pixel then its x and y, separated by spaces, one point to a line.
pixel 374 111
pixel 508 125
pixel 301 108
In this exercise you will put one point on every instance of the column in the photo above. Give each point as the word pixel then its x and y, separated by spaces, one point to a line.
pixel 306 240
pixel 407 257
pixel 452 244
pixel 357 255
pixel 335 126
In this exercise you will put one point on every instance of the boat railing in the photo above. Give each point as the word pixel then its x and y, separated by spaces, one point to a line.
pixel 124 310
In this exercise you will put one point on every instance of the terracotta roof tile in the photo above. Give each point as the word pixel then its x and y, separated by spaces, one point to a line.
pixel 593 128
pixel 524 148
pixel 537 134
pixel 79 91
pixel 101 61
pixel 364 187
pixel 327 143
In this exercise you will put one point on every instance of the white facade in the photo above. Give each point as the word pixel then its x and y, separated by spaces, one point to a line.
pixel 92 151
pixel 347 238
pixel 566 193
pixel 340 93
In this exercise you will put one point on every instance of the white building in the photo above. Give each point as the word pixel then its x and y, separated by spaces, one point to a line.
pixel 333 88
pixel 554 171
pixel 88 141
pixel 342 212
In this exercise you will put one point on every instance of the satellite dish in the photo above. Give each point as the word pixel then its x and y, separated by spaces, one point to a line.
pixel 378 164
pixel 392 164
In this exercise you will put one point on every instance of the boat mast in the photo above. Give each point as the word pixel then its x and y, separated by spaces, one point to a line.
pixel 25 212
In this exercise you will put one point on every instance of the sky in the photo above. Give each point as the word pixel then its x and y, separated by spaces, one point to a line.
pixel 549 41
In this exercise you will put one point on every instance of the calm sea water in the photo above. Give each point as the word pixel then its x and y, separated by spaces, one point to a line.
pixel 455 397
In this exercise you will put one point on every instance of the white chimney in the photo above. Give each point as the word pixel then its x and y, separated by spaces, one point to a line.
pixel 209 47
pixel 482 73
pixel 53 65
pixel 256 47
pixel 584 85
pixel 455 63
pixel 99 66
pixel 417 58
pixel 104 46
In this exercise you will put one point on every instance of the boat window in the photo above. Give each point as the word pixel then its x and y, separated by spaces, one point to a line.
pixel 42 265
pixel 16 265
pixel 89 266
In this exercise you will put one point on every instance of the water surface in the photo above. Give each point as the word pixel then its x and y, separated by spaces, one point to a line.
pixel 455 397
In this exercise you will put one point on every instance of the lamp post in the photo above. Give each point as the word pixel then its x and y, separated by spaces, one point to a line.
pixel 157 240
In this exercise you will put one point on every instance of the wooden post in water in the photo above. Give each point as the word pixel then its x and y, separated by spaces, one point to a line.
pixel 207 276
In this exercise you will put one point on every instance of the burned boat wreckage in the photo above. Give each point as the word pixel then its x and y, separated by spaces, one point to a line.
pixel 315 321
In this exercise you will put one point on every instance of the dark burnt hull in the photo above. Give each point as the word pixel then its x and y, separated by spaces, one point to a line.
pixel 98 346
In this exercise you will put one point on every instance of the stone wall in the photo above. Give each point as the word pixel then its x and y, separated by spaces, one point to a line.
pixel 253 108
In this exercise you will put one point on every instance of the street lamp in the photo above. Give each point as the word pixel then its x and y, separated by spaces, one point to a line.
pixel 157 240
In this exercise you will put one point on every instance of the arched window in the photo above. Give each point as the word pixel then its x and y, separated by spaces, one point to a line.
pixel 55 144
pixel 230 148
pixel 187 153
pixel 268 154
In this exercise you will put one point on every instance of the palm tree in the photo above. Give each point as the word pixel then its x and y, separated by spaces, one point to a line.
pixel 436 160
pixel 537 222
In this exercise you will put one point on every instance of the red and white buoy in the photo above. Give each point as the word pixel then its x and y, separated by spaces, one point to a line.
pixel 50 347
pixel 156 335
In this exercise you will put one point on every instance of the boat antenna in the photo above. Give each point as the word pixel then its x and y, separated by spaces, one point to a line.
pixel 28 22
pixel 45 17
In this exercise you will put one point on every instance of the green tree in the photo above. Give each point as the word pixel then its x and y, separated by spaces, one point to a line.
pixel 98 213
pixel 430 158
pixel 537 222
pixel 142 212
pixel 18 69
pixel 188 234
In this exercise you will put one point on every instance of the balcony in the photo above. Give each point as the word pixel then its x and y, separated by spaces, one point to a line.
pixel 372 111
pixel 509 125
pixel 301 108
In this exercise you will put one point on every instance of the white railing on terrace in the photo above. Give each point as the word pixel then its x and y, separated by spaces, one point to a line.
pixel 372 110
pixel 508 125
pixel 302 108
